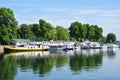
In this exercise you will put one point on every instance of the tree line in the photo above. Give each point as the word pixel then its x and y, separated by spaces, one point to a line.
pixel 9 29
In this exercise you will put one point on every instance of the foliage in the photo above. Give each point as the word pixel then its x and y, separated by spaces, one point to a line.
pixel 111 37
pixel 35 29
pixel 62 33
pixel 90 32
pixel 25 32
pixel 42 31
pixel 8 24
pixel 45 29
pixel 98 33
pixel 85 31
pixel 3 35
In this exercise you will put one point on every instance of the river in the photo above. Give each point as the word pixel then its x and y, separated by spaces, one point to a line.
pixel 94 64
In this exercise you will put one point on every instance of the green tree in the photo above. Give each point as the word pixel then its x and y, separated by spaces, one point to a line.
pixel 78 31
pixel 82 31
pixel 8 21
pixel 111 37
pixel 98 33
pixel 36 31
pixel 90 32
pixel 45 29
pixel 25 31
pixel 62 33
pixel 4 39
pixel 104 39
pixel 53 34
pixel 74 30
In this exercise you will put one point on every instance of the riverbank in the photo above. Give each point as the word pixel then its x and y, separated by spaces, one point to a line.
pixel 1 49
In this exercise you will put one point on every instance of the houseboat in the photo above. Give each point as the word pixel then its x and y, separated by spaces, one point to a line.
pixel 25 46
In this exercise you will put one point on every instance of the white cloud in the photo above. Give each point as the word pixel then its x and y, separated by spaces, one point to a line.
pixel 54 9
pixel 76 11
pixel 110 15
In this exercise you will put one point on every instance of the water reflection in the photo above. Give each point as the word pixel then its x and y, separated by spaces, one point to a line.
pixel 85 60
pixel 30 54
pixel 8 68
pixel 110 53
pixel 42 62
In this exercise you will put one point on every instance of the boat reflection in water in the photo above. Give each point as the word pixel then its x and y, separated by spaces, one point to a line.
pixel 90 51
pixel 110 53
pixel 30 53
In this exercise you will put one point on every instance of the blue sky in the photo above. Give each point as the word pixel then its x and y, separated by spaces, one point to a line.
pixel 104 13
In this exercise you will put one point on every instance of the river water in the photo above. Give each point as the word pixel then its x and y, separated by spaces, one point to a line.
pixel 91 64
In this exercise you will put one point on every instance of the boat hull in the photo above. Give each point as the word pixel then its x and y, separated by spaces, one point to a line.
pixel 8 49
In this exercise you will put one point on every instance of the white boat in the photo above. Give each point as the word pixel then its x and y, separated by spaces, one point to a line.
pixel 61 45
pixel 31 46
pixel 113 46
pixel 104 46
pixel 69 45
pixel 56 46
pixel 94 45
pixel 89 45
pixel 85 45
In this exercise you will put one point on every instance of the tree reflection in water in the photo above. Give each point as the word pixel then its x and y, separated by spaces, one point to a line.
pixel 85 60
pixel 43 62
pixel 39 62
pixel 8 68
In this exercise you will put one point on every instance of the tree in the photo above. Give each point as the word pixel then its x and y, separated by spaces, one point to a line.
pixel 98 33
pixel 74 30
pixel 82 31
pixel 53 34
pixel 4 35
pixel 36 31
pixel 62 33
pixel 45 29
pixel 9 23
pixel 78 31
pixel 25 31
pixel 90 32
pixel 111 37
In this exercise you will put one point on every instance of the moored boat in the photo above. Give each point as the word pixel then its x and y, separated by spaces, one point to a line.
pixel 25 48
